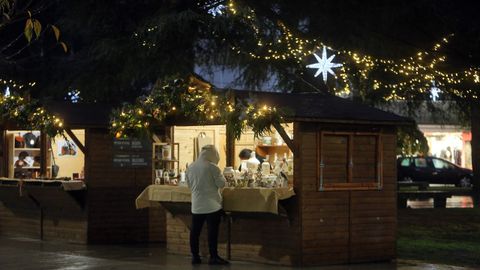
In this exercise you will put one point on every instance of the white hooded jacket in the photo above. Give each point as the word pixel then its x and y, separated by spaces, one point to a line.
pixel 204 179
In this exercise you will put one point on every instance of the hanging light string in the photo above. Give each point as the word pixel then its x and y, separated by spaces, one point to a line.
pixel 30 115
pixel 14 85
pixel 416 71
pixel 194 100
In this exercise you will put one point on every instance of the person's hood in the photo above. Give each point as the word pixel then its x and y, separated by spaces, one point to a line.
pixel 209 153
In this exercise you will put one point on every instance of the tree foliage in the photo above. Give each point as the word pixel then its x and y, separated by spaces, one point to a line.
pixel 194 101
pixel 119 49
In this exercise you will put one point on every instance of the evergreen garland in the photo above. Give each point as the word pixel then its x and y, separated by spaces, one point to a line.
pixel 29 115
pixel 194 100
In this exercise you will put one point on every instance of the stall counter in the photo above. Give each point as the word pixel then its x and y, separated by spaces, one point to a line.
pixel 234 199
pixel 69 185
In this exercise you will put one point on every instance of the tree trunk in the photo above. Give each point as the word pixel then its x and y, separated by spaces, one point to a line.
pixel 230 146
pixel 475 124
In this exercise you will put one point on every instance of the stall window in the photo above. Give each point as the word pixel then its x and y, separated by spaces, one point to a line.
pixel 349 161
pixel 31 158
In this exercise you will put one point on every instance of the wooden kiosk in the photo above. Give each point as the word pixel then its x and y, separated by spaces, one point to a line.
pixel 343 210
pixel 344 179
pixel 101 208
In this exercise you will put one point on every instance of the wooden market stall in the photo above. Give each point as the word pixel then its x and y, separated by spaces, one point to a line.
pixel 344 205
pixel 338 205
pixel 90 199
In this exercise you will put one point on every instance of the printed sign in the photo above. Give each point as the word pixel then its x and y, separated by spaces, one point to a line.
pixel 131 153
pixel 132 144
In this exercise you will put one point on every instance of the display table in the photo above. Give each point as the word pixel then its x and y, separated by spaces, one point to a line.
pixel 65 185
pixel 234 199
pixel 45 194
pixel 45 203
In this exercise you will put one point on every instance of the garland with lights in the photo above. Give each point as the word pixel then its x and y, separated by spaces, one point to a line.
pixel 194 100
pixel 411 75
pixel 29 115
pixel 13 85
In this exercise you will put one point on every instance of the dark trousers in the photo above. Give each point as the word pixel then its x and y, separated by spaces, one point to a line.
pixel 213 223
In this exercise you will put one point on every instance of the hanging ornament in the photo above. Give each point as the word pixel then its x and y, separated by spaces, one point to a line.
pixel 435 91
pixel 324 65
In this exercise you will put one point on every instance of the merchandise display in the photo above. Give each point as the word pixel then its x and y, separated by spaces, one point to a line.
pixel 269 162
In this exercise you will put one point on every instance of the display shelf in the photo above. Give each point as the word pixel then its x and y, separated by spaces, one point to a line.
pixel 166 160
pixel 271 150
pixel 165 157
pixel 272 146
pixel 13 152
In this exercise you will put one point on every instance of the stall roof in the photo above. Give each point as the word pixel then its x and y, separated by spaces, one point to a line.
pixel 82 115
pixel 319 107
pixel 315 107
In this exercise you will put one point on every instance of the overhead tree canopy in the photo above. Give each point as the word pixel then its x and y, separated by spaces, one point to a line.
pixel 391 50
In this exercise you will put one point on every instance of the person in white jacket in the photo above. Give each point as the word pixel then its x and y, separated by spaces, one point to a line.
pixel 205 179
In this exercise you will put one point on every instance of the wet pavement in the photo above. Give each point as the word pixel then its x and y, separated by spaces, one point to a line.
pixel 26 254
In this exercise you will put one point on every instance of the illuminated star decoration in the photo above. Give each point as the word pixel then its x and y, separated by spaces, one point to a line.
pixel 434 91
pixel 324 65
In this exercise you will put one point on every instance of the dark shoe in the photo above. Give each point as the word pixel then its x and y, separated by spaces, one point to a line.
pixel 196 260
pixel 217 261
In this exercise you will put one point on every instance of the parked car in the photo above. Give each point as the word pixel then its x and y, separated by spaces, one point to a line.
pixel 432 170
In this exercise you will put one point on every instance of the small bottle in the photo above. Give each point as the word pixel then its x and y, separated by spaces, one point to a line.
pixel 166 177
pixel 253 163
pixel 265 167
pixel 290 165
pixel 277 163
pixel 183 181
pixel 229 174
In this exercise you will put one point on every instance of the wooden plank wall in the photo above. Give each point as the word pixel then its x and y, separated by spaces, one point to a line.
pixel 261 239
pixel 264 240
pixel 373 214
pixel 186 135
pixel 344 226
pixel 23 218
pixel 112 217
pixel 24 222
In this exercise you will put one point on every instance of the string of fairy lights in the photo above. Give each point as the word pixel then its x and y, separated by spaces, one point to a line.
pixel 413 75
pixel 418 72
pixel 24 112
pixel 14 85
pixel 194 100
pixel 29 115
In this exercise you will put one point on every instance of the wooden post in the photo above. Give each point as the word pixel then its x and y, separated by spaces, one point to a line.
pixel 4 153
pixel 229 236
pixel 230 146
pixel 439 201
pixel 76 140
pixel 402 202
pixel 475 129
pixel 44 148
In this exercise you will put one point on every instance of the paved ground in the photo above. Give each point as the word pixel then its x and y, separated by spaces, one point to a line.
pixel 26 254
